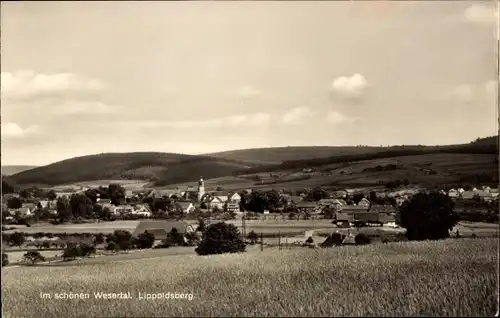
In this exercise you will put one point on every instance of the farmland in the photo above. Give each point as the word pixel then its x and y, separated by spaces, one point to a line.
pixel 452 277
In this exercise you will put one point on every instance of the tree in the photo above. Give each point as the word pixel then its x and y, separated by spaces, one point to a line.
pixel 192 239
pixel 81 206
pixel 175 238
pixel 51 195
pixel 5 259
pixel 99 239
pixel 14 203
pixel 428 216
pixel 201 225
pixel 253 237
pixel 145 240
pixel 63 209
pixel 33 257
pixel 7 187
pixel 17 239
pixel 220 238
pixel 362 239
pixel 357 197
pixel 309 240
pixel 116 193
pixel 122 239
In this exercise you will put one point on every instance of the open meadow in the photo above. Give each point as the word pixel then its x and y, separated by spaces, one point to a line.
pixel 440 278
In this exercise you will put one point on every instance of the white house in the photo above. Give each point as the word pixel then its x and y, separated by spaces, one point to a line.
pixel 217 202
pixel 187 207
pixel 123 209
pixel 364 202
pixel 142 209
pixel 453 193
pixel 234 197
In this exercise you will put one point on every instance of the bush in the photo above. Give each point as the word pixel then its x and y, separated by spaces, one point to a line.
pixel 144 240
pixel 220 238
pixel 33 257
pixel 362 239
pixel 163 244
pixel 253 237
pixel 5 259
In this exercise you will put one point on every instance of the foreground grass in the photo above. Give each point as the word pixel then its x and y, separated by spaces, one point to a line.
pixel 446 278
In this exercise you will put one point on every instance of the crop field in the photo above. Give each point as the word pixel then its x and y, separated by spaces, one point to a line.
pixel 445 278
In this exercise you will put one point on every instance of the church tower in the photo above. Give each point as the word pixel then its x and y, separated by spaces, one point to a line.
pixel 201 188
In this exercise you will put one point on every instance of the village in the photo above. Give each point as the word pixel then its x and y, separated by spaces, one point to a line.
pixel 348 207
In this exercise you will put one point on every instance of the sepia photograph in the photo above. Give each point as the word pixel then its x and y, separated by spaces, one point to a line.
pixel 249 158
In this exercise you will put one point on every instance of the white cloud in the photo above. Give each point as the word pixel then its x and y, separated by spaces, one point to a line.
pixel 477 13
pixel 242 120
pixel 335 118
pixel 26 84
pixel 471 93
pixel 13 130
pixel 83 107
pixel 248 92
pixel 350 86
pixel 296 116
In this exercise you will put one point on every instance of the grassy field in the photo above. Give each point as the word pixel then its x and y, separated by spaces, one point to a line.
pixel 452 277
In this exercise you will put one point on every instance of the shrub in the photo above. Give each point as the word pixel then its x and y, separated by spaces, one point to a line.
pixel 220 238
pixel 309 240
pixel 144 240
pixel 253 237
pixel 175 238
pixel 362 239
pixel 99 239
pixel 201 225
pixel 33 257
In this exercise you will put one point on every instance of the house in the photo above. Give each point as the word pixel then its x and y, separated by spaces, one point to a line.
pixel 295 199
pixel 326 202
pixel 309 207
pixel 186 206
pixel 232 207
pixel 216 202
pixel 486 188
pixel 222 195
pixel 485 195
pixel 453 193
pixel 23 212
pixel 123 209
pixel 64 194
pixel 386 208
pixel 31 206
pixel 340 194
pixel 364 202
pixel 460 190
pixel 142 209
pixel 366 217
pixel 103 201
pixel 234 197
pixel 344 218
pixel 157 194
pixel 467 195
pixel 160 229
pixel 351 209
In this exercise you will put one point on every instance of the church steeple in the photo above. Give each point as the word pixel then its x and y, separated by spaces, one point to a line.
pixel 201 188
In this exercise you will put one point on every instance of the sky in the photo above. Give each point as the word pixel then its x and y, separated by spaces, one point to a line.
pixel 82 78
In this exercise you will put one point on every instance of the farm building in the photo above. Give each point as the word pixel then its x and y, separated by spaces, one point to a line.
pixel 386 208
pixel 310 207
pixel 160 229
pixel 187 207
pixel 366 217
pixel 343 217
pixel 232 207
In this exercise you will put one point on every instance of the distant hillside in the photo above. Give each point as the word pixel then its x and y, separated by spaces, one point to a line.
pixel 163 168
pixel 166 168
pixel 487 145
pixel 280 154
pixel 10 170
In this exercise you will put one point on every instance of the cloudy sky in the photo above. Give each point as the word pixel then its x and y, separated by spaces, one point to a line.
pixel 196 77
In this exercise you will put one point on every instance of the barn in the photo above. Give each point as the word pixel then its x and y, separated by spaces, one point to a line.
pixel 160 229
